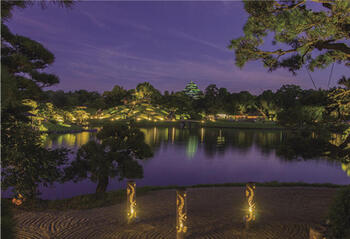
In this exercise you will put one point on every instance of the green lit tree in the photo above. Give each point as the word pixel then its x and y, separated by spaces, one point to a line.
pixel 146 92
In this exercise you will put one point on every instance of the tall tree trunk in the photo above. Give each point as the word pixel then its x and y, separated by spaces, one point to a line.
pixel 102 184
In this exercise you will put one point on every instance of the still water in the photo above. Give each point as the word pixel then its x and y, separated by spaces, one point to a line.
pixel 207 156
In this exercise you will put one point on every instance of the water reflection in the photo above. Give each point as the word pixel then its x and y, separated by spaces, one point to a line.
pixel 212 140
pixel 209 155
pixel 68 140
pixel 192 146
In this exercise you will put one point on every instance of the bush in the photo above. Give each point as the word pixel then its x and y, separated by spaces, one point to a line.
pixel 339 215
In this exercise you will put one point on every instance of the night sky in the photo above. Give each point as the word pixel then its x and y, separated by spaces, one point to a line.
pixel 100 44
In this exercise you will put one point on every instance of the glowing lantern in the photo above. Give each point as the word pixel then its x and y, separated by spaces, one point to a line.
pixel 19 200
pixel 181 213
pixel 250 195
pixel 131 201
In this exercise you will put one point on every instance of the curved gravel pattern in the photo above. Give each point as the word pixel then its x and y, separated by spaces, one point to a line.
pixel 212 213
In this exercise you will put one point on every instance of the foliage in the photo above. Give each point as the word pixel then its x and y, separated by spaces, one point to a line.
pixel 339 106
pixel 69 100
pixel 146 92
pixel 115 155
pixel 26 59
pixel 25 163
pixel 44 114
pixel 339 215
pixel 302 34
pixel 7 6
pixel 267 105
pixel 115 97
pixel 303 116
pixel 135 111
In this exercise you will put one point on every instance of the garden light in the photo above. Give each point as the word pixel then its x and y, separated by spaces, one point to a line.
pixel 181 213
pixel 131 201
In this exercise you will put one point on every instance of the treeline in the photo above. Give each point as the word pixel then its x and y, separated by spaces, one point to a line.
pixel 306 106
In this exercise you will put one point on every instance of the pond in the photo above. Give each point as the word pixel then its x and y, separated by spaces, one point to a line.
pixel 207 156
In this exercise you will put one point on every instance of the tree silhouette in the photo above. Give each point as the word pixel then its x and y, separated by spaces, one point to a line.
pixel 114 155
pixel 301 34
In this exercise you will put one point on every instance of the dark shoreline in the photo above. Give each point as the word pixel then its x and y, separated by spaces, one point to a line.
pixel 68 131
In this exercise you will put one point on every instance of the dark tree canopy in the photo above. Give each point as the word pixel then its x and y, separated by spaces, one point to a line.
pixel 25 163
pixel 7 6
pixel 26 59
pixel 313 33
pixel 115 155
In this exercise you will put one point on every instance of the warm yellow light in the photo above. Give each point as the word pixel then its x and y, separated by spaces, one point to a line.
pixel 250 195
pixel 131 201
pixel 18 200
pixel 181 212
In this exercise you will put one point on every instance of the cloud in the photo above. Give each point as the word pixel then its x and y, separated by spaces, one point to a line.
pixel 102 21
pixel 94 19
pixel 135 25
pixel 119 66
pixel 37 25
pixel 186 36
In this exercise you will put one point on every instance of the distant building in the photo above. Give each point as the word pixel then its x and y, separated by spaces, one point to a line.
pixel 192 90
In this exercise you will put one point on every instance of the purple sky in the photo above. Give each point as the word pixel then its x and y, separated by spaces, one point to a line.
pixel 100 44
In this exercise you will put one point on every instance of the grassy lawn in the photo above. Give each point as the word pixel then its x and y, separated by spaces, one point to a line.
pixel 88 201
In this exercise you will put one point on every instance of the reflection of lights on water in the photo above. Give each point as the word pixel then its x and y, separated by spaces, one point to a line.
pixel 192 146
pixel 202 135
pixel 166 134
pixel 220 140
pixel 173 135
pixel 154 134
pixel 83 138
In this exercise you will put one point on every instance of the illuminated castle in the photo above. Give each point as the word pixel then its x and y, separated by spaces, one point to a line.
pixel 192 90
